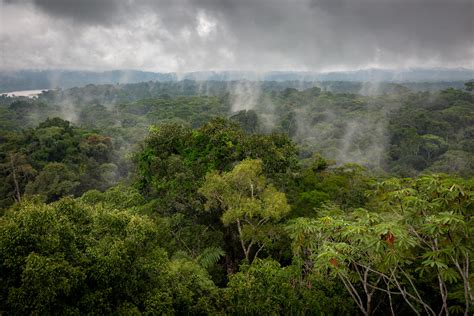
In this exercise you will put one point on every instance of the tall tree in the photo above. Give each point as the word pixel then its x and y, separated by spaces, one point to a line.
pixel 247 201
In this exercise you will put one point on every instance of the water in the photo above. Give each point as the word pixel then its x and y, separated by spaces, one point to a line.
pixel 25 93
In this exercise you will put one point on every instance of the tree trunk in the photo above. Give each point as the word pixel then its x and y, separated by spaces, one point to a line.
pixel 15 181
pixel 245 249
pixel 368 308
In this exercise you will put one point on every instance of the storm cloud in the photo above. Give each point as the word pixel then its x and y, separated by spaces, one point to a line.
pixel 259 35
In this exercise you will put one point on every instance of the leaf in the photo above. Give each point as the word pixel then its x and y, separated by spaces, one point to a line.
pixel 210 256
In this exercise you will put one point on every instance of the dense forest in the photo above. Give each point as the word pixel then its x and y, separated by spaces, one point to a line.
pixel 416 78
pixel 238 197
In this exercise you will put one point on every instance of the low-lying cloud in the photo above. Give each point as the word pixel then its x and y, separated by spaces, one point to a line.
pixel 259 35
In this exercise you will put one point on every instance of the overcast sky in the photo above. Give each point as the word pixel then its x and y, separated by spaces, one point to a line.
pixel 187 35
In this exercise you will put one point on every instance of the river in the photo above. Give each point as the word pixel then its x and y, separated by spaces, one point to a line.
pixel 25 93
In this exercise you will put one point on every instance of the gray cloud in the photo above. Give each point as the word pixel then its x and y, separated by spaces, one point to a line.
pixel 83 11
pixel 186 35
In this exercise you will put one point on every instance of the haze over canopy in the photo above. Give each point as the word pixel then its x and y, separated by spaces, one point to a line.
pixel 186 35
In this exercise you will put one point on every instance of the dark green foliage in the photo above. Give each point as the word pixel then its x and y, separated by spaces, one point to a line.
pixel 266 288
pixel 384 127
pixel 174 159
pixel 248 121
pixel 53 160
pixel 320 182
pixel 425 128
pixel 69 257
pixel 241 215
pixel 53 182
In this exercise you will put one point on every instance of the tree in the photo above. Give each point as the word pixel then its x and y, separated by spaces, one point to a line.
pixel 416 228
pixel 53 182
pixel 359 249
pixel 267 288
pixel 248 201
pixel 69 257
pixel 432 146
pixel 18 171
pixel 469 86
pixel 438 212
pixel 248 120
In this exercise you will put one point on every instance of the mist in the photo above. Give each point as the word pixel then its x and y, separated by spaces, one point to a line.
pixel 186 36
pixel 236 157
pixel 246 53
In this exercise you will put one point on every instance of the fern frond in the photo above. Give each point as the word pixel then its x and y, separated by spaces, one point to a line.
pixel 210 256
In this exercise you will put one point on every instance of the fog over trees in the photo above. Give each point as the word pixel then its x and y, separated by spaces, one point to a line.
pixel 236 157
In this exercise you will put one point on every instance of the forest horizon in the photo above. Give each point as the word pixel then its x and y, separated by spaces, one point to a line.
pixel 254 157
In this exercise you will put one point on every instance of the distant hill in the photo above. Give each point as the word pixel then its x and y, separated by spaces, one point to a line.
pixel 49 79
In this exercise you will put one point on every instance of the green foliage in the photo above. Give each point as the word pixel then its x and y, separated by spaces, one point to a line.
pixel 427 127
pixel 210 196
pixel 469 86
pixel 266 288
pixel 387 127
pixel 193 292
pixel 119 196
pixel 418 227
pixel 246 199
pixel 174 160
pixel 210 256
pixel 248 121
pixel 53 182
pixel 320 182
pixel 54 160
pixel 69 257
